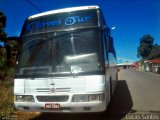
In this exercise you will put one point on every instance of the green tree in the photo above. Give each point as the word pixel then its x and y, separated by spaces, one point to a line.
pixel 2 37
pixel 145 47
pixel 2 50
pixel 2 26
pixel 155 52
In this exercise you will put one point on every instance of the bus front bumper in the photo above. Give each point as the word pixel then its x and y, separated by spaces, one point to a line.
pixel 73 107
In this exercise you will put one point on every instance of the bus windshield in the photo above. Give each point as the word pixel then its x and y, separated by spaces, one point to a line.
pixel 43 51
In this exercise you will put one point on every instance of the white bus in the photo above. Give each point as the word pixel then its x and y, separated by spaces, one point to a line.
pixel 66 62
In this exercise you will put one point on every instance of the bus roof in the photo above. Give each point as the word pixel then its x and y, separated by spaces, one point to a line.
pixel 64 10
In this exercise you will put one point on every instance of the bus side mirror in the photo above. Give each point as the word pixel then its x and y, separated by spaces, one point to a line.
pixel 110 44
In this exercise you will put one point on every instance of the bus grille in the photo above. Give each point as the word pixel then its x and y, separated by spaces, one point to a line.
pixel 63 98
pixel 57 90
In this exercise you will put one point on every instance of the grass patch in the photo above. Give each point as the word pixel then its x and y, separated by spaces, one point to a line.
pixel 6 97
pixel 7 108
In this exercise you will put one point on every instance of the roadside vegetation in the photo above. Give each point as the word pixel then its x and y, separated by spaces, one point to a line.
pixel 7 72
pixel 6 75
pixel 147 50
pixel 6 100
pixel 149 54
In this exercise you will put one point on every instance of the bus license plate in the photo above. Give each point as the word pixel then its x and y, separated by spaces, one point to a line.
pixel 52 106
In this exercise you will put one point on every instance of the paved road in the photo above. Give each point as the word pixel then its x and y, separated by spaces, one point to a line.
pixel 145 90
pixel 137 92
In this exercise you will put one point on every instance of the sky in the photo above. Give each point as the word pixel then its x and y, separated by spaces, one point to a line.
pixel 129 19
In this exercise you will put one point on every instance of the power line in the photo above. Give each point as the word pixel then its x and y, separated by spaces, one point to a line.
pixel 33 5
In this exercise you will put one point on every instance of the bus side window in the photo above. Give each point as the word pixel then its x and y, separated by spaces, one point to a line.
pixel 105 45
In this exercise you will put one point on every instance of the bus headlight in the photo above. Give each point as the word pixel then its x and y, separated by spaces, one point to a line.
pixel 94 97
pixel 24 98
pixel 83 98
pixel 87 97
pixel 80 98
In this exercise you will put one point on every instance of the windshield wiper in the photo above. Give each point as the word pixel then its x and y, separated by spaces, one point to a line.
pixel 68 66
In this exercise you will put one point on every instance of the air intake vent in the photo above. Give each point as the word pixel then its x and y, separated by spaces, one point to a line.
pixel 63 89
pixel 63 98
pixel 57 90
pixel 43 90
